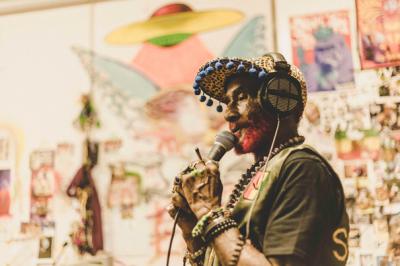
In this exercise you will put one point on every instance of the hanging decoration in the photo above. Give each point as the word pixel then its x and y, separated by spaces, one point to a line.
pixel 87 234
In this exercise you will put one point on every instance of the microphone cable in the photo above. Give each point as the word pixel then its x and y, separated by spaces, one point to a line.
pixel 264 171
pixel 172 236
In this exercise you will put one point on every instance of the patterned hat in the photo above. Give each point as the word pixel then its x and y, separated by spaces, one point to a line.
pixel 211 78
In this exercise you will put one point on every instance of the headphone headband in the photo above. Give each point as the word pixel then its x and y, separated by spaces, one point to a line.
pixel 280 63
pixel 276 57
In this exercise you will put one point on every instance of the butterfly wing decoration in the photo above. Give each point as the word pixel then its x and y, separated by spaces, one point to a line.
pixel 249 41
pixel 124 88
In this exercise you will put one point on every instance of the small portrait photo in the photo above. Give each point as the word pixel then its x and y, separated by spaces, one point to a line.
pixel 312 113
pixel 45 247
pixel 358 169
pixel 364 200
pixel 385 115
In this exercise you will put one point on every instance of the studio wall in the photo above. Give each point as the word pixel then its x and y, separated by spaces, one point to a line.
pixel 149 120
pixel 135 77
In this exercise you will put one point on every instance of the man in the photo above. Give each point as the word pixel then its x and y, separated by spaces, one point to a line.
pixel 288 209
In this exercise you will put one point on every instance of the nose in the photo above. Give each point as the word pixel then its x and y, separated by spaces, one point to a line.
pixel 231 115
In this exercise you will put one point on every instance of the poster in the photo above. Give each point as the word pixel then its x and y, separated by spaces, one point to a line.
pixel 321 48
pixel 378 23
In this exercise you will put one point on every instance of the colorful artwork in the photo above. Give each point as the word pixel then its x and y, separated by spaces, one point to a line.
pixel 386 115
pixel 162 71
pixel 142 73
pixel 45 182
pixel 5 198
pixel 378 24
pixel 321 48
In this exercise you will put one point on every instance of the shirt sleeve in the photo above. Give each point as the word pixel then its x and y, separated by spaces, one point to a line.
pixel 298 216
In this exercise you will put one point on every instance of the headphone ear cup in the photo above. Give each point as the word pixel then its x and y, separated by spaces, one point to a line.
pixel 280 94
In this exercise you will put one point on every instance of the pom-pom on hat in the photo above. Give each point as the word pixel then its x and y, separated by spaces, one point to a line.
pixel 212 76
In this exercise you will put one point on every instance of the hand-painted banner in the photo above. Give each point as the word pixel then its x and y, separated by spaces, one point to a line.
pixel 378 23
pixel 321 48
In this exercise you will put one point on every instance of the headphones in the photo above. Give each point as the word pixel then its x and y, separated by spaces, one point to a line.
pixel 280 93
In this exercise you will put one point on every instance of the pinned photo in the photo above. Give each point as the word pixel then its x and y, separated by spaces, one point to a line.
pixel 45 247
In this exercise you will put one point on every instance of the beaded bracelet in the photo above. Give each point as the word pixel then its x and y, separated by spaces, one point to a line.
pixel 203 222
pixel 193 257
pixel 219 228
pixel 237 251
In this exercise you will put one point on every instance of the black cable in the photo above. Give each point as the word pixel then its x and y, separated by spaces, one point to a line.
pixel 172 236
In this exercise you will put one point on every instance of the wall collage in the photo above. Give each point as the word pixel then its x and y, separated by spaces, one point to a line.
pixel 87 165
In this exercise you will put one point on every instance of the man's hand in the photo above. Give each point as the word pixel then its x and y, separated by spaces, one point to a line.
pixel 202 188
pixel 186 221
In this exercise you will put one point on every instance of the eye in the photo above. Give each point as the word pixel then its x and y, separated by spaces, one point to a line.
pixel 242 96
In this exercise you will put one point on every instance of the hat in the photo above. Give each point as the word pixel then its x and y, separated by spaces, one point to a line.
pixel 173 23
pixel 212 76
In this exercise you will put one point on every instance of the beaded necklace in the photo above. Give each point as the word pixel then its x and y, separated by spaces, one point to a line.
pixel 251 171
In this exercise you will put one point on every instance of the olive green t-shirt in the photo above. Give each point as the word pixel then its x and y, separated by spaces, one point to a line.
pixel 303 214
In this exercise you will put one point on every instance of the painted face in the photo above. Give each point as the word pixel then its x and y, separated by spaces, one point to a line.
pixel 252 126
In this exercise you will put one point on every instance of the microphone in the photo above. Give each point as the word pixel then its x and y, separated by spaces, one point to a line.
pixel 224 141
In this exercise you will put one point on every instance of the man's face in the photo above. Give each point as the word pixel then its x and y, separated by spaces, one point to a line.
pixel 252 126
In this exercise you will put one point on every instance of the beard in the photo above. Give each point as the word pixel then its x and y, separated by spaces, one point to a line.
pixel 254 138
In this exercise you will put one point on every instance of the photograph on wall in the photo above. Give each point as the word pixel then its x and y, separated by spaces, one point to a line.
pixel 357 170
pixel 45 182
pixel 378 23
pixel 385 115
pixel 45 247
pixel 321 48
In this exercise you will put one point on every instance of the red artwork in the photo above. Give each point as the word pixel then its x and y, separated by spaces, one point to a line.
pixel 5 199
pixel 44 184
pixel 378 24
pixel 182 66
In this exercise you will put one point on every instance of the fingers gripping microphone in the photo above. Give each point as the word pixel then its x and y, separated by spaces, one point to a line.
pixel 224 141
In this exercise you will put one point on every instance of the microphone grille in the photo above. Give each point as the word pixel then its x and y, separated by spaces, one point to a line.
pixel 227 139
